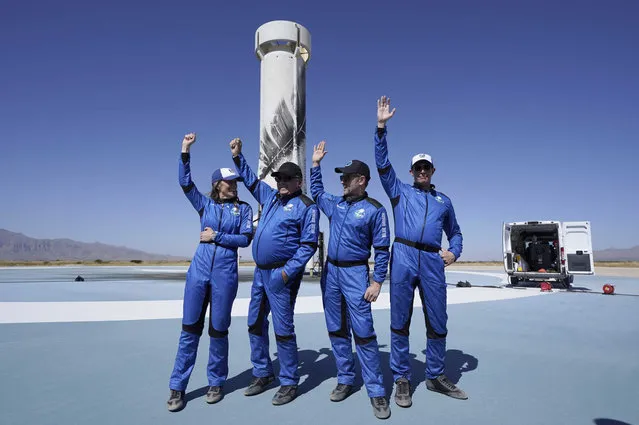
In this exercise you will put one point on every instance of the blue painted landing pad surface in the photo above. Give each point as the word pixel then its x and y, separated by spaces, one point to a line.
pixel 561 358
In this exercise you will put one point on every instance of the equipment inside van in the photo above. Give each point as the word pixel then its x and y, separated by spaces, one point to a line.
pixel 543 251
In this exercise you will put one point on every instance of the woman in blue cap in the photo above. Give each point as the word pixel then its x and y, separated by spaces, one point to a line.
pixel 226 224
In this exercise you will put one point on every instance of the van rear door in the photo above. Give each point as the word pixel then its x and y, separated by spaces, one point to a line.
pixel 507 249
pixel 576 250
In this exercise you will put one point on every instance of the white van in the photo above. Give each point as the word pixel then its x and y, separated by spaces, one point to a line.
pixel 547 251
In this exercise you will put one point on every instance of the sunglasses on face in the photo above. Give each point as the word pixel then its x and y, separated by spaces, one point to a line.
pixel 284 179
pixel 422 169
pixel 348 177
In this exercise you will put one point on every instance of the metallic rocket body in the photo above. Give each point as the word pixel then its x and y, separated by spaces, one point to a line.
pixel 283 48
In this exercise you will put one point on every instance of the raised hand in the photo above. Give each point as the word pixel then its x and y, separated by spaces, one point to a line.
pixel 236 146
pixel 319 151
pixel 188 140
pixel 384 112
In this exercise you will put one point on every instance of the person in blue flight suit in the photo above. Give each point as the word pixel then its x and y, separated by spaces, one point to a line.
pixel 421 214
pixel 357 222
pixel 284 242
pixel 211 278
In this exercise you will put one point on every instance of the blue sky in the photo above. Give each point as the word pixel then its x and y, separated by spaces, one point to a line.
pixel 529 109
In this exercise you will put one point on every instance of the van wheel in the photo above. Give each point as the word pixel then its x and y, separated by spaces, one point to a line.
pixel 514 280
pixel 567 281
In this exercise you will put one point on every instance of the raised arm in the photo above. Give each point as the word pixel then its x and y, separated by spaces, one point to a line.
pixel 243 239
pixel 258 188
pixel 325 201
pixel 308 242
pixel 390 182
pixel 184 175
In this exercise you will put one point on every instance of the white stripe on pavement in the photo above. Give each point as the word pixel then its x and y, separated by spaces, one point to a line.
pixel 92 311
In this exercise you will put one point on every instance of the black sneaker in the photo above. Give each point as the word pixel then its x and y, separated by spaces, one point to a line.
pixel 258 385
pixel 341 391
pixel 442 384
pixel 176 401
pixel 402 393
pixel 285 394
pixel 214 394
pixel 381 409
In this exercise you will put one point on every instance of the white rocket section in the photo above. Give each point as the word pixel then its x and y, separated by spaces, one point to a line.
pixel 284 49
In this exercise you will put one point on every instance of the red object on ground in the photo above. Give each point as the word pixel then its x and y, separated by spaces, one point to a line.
pixel 546 287
pixel 608 289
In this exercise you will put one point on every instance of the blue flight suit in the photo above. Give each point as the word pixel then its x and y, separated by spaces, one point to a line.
pixel 420 217
pixel 355 226
pixel 211 278
pixel 285 239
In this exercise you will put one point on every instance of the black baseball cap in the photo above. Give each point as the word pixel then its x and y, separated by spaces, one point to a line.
pixel 355 167
pixel 288 169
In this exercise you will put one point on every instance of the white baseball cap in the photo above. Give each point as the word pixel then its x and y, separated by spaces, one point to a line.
pixel 422 157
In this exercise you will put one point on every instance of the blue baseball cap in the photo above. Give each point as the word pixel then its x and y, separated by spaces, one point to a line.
pixel 224 174
pixel 355 167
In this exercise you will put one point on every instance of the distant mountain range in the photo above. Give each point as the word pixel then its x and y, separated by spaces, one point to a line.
pixel 18 247
pixel 614 254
